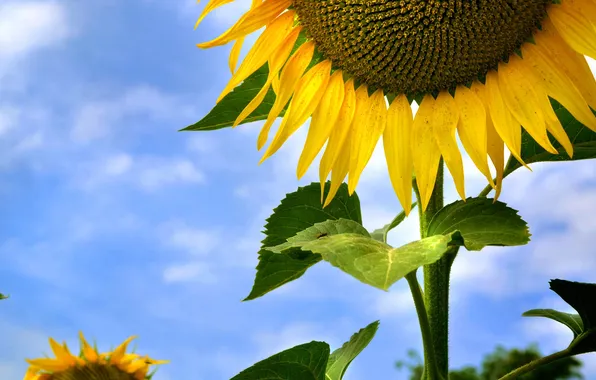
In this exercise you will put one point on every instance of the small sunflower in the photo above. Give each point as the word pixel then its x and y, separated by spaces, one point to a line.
pixel 90 365
pixel 483 68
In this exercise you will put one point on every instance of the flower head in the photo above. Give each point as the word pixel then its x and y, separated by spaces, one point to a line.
pixel 90 365
pixel 483 69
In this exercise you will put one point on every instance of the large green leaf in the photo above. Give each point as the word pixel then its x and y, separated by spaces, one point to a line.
pixel 573 321
pixel 227 110
pixel 582 297
pixel 341 358
pixel 481 222
pixel 582 138
pixel 373 262
pixel 320 231
pixel 297 212
pixel 304 362
pixel 3 297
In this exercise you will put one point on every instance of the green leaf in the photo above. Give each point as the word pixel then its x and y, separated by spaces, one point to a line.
pixel 298 211
pixel 573 321
pixel 381 233
pixel 376 263
pixel 341 358
pixel 481 222
pixel 304 362
pixel 320 231
pixel 227 110
pixel 582 138
pixel 582 297
pixel 3 297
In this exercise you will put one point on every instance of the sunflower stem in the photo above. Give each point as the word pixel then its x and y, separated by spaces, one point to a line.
pixel 436 287
pixel 430 370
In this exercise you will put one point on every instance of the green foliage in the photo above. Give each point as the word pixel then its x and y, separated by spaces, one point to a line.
pixel 582 297
pixel 502 361
pixel 311 361
pixel 227 110
pixel 373 262
pixel 573 321
pixel 320 231
pixel 3 297
pixel 298 211
pixel 304 362
pixel 341 358
pixel 582 138
pixel 481 222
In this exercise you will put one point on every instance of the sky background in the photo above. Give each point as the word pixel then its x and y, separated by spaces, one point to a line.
pixel 116 224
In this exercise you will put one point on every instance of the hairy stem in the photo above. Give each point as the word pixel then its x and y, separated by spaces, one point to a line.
pixel 430 366
pixel 436 283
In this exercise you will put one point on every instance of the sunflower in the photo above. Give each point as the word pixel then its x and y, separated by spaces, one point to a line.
pixel 483 68
pixel 90 365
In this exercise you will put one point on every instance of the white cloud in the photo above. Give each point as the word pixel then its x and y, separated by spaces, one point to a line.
pixel 193 241
pixel 167 172
pixel 293 334
pixel 25 343
pixel 118 164
pixel 189 272
pixel 145 172
pixel 396 302
pixel 97 119
pixel 8 118
pixel 26 26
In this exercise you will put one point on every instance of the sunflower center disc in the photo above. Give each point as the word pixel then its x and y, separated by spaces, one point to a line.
pixel 93 371
pixel 419 46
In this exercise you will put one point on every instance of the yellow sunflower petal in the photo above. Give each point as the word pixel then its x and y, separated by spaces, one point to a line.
pixel 290 75
pixel 341 166
pixel 366 137
pixel 237 47
pixel 137 366
pixel 61 352
pixel 573 64
pixel 88 352
pixel 275 63
pixel 235 54
pixel 31 374
pixel 398 151
pixel 250 22
pixel 558 85
pixel 309 91
pixel 361 117
pixel 425 151
pixel 445 120
pixel 522 98
pixel 553 125
pixel 119 353
pixel 471 128
pixel 338 135
pixel 322 122
pixel 496 152
pixel 506 126
pixel 213 4
pixel 575 29
pixel 267 43
pixel 50 365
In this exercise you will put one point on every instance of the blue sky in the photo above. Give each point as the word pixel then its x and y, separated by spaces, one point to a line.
pixel 115 224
